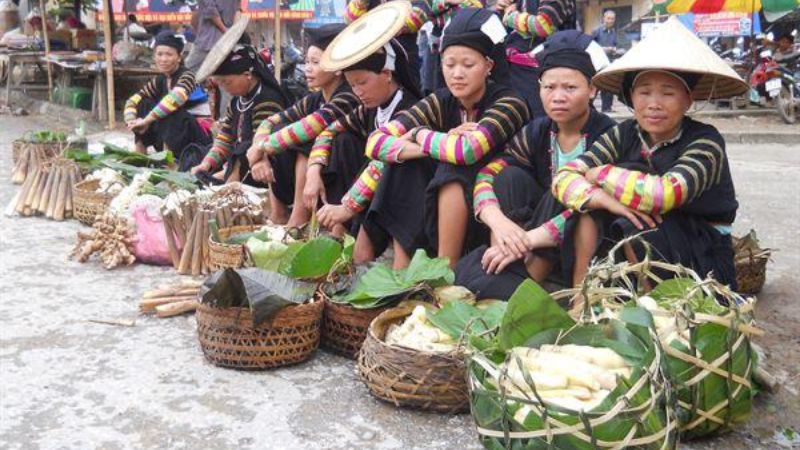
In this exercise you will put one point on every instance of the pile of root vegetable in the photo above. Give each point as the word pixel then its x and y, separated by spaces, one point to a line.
pixel 112 238
pixel 187 216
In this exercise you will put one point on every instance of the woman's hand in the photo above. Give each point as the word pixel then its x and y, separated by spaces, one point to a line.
pixel 254 153
pixel 494 260
pixel 262 171
pixel 464 128
pixel 501 5
pixel 331 215
pixel 640 220
pixel 508 10
pixel 509 237
pixel 202 167
pixel 139 126
pixel 314 188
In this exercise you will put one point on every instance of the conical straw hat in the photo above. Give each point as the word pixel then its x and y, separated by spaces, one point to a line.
pixel 673 47
pixel 216 56
pixel 366 35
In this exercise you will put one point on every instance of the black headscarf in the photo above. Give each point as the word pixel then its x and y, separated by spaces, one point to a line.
pixel 689 79
pixel 244 58
pixel 567 49
pixel 169 39
pixel 321 37
pixel 377 61
pixel 469 28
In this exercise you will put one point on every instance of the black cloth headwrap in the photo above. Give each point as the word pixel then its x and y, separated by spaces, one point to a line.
pixel 567 49
pixel 244 58
pixel 465 29
pixel 377 61
pixel 321 37
pixel 169 39
pixel 691 80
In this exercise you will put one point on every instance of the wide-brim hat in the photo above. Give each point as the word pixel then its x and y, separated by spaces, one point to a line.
pixel 672 47
pixel 366 35
pixel 219 52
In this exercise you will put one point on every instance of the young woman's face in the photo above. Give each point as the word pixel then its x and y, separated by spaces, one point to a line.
pixel 565 94
pixel 465 71
pixel 373 89
pixel 316 78
pixel 167 59
pixel 659 102
pixel 235 85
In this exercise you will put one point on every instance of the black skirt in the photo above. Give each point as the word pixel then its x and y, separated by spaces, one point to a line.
pixel 470 274
pixel 177 131
pixel 345 165
pixel 398 209
pixel 283 169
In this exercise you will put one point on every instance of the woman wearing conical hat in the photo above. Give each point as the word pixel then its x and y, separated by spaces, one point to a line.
pixel 460 128
pixel 511 194
pixel 385 88
pixel 256 96
pixel 280 149
pixel 662 171
pixel 164 113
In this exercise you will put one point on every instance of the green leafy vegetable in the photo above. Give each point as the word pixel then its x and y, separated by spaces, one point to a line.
pixel 670 294
pixel 266 255
pixel 459 319
pixel 313 259
pixel 530 310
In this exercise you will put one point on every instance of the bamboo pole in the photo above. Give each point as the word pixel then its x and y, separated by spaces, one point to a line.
pixel 109 43
pixel 277 57
pixel 46 50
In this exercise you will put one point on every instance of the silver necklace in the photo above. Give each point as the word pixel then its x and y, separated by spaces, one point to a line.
pixel 243 106
pixel 382 116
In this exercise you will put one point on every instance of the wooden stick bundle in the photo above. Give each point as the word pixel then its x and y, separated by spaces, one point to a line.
pixel 31 158
pixel 47 190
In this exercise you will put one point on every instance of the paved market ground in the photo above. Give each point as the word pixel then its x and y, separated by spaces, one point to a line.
pixel 69 383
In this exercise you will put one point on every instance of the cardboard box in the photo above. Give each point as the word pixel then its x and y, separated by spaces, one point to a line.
pixel 84 39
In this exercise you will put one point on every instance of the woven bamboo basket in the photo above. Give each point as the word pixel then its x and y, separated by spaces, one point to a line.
pixel 87 203
pixel 411 378
pixel 228 256
pixel 345 328
pixel 228 338
pixel 751 267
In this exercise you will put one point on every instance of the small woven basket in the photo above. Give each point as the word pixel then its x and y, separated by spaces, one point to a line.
pixel 228 256
pixel 345 328
pixel 87 203
pixel 411 378
pixel 751 267
pixel 228 338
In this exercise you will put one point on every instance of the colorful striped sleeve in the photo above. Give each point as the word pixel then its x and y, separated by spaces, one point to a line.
pixel 323 145
pixel 549 17
pixel 354 10
pixel 308 128
pixel 287 116
pixel 147 91
pixel 222 145
pixel 496 126
pixel 698 169
pixel 570 186
pixel 175 98
pixel 359 196
pixel 383 144
pixel 555 226
pixel 483 192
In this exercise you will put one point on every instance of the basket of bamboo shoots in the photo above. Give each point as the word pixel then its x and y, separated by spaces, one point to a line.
pixel 704 328
pixel 407 361
pixel 751 263
pixel 48 190
pixel 90 201
pixel 251 319
pixel 541 380
pixel 229 246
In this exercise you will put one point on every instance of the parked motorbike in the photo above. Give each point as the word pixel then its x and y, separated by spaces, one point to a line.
pixel 776 85
pixel 292 74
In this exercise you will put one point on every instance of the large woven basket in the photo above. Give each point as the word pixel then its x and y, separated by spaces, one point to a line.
pixel 228 256
pixel 87 203
pixel 411 378
pixel 345 328
pixel 228 338
pixel 751 267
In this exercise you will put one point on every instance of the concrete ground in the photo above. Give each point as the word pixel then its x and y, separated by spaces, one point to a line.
pixel 68 383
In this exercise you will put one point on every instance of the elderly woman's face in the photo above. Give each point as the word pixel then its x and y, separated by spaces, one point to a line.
pixel 659 102
pixel 465 70
pixel 167 59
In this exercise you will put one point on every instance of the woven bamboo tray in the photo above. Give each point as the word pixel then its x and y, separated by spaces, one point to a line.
pixel 228 256
pixel 345 328
pixel 411 378
pixel 228 338
pixel 87 203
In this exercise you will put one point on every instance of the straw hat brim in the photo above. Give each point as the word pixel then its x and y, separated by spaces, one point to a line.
pixel 216 56
pixel 672 47
pixel 365 36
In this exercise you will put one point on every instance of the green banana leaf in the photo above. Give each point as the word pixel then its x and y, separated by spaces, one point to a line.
pixel 645 415
pixel 459 319
pixel 311 259
pixel 707 341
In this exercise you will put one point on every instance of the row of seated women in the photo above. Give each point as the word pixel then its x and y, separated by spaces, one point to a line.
pixel 466 172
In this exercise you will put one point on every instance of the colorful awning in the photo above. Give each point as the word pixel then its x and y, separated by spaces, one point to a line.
pixel 713 6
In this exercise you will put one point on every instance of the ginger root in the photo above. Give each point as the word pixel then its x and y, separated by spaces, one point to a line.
pixel 111 237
